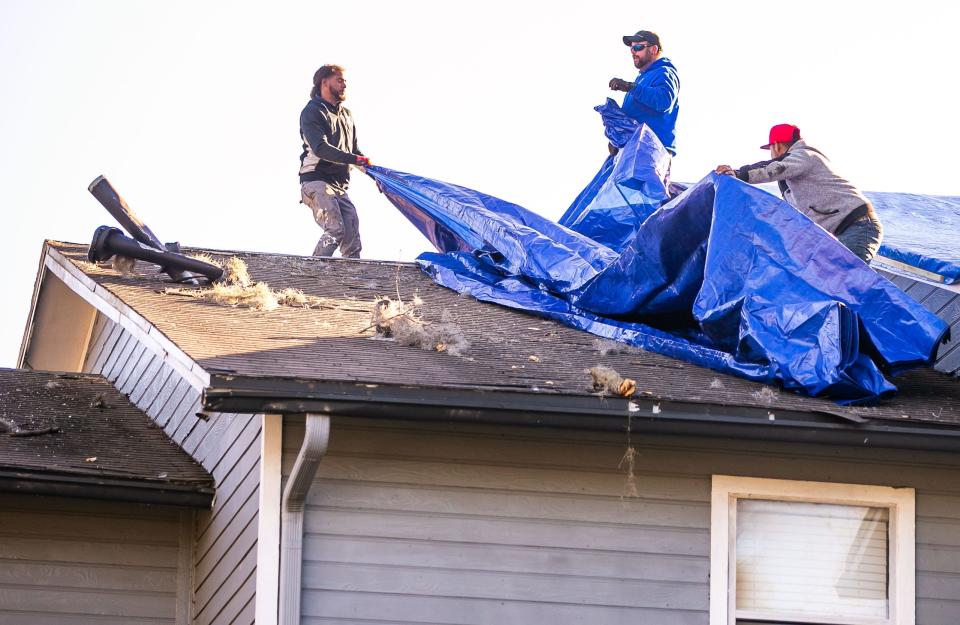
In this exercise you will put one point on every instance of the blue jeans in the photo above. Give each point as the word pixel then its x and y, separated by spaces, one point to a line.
pixel 863 237
pixel 335 213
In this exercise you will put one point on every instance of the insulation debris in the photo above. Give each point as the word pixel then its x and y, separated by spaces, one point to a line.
pixel 203 257
pixel 607 380
pixel 124 264
pixel 766 395
pixel 394 319
pixel 293 298
pixel 257 296
pixel 628 461
pixel 235 272
pixel 99 402
pixel 238 289
pixel 606 347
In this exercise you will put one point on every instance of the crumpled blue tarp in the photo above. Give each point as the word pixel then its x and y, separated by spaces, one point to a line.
pixel 921 231
pixel 624 192
pixel 726 276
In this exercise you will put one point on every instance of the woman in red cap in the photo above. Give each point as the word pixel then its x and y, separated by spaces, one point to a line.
pixel 810 185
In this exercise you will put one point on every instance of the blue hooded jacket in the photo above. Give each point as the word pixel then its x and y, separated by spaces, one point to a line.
pixel 654 101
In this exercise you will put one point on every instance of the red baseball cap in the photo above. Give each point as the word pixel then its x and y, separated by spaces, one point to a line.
pixel 782 133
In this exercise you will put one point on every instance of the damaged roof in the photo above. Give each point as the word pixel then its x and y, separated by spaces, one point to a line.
pixel 508 354
pixel 74 434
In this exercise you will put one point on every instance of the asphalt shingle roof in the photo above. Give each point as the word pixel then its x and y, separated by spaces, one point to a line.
pixel 80 425
pixel 508 350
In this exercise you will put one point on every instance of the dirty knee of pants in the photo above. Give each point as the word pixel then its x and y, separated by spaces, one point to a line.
pixel 326 246
pixel 336 215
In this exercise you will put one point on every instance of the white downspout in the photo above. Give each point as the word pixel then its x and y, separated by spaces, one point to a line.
pixel 316 436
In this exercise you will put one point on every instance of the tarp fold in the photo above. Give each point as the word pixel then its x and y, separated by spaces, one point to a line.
pixel 725 275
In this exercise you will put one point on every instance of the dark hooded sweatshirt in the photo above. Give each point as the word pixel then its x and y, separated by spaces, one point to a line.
pixel 329 143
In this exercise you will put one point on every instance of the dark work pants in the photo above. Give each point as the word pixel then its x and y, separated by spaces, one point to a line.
pixel 863 237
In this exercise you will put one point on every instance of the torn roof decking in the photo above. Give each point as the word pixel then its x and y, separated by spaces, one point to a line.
pixel 68 433
pixel 335 344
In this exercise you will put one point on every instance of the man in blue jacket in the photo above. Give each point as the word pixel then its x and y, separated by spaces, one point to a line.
pixel 329 149
pixel 653 98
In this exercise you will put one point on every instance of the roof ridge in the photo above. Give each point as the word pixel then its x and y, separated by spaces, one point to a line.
pixel 372 261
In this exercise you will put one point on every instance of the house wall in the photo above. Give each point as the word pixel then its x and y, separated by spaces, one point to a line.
pixel 227 445
pixel 438 523
pixel 88 562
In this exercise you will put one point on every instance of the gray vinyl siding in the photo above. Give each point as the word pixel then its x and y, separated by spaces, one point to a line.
pixel 77 562
pixel 436 523
pixel 227 445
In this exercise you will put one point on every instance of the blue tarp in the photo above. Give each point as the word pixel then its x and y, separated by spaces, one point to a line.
pixel 725 275
pixel 921 230
pixel 625 191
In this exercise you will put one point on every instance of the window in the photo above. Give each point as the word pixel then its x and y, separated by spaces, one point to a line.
pixel 810 553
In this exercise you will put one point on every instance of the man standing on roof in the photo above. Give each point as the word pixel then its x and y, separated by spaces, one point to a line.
pixel 653 98
pixel 329 149
pixel 809 184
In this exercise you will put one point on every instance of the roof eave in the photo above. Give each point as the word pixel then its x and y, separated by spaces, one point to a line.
pixel 242 394
pixel 27 481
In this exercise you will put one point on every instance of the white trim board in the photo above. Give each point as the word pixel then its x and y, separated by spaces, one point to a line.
pixel 185 568
pixel 914 273
pixel 727 489
pixel 117 311
pixel 268 520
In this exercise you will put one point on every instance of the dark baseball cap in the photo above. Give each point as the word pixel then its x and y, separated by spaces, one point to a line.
pixel 642 35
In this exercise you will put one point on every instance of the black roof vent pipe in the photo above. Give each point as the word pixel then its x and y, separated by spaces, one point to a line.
pixel 108 242
pixel 144 245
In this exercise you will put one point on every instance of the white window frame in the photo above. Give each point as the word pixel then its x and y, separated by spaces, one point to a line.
pixel 901 502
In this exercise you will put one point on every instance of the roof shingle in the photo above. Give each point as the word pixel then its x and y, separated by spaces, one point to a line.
pixel 509 350
pixel 79 425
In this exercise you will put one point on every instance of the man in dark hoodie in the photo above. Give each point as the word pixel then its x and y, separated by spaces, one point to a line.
pixel 329 149
pixel 653 98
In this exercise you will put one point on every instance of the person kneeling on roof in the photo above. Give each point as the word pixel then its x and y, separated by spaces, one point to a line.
pixel 809 184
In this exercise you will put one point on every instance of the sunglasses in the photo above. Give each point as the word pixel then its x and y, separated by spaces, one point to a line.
pixel 640 47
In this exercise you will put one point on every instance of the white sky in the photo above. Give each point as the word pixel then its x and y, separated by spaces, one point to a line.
pixel 191 108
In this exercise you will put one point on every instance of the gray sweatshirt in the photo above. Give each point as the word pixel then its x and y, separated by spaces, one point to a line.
pixel 810 185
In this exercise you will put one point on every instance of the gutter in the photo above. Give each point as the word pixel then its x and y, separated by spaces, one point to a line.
pixel 316 437
pixel 235 394
pixel 161 493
